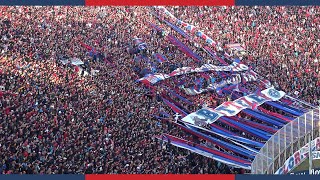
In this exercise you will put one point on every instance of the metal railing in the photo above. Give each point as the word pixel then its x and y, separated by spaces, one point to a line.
pixel 289 139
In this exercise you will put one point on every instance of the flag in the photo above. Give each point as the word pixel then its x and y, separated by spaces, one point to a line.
pixel 219 91
pixel 175 108
pixel 160 58
pixel 258 91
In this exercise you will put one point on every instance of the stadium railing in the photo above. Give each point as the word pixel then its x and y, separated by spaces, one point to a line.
pixel 284 143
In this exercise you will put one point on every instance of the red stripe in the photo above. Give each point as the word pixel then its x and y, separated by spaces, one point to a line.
pixel 175 108
pixel 216 142
pixel 159 177
pixel 215 152
pixel 160 2
pixel 224 155
pixel 255 125
pixel 273 114
pixel 236 127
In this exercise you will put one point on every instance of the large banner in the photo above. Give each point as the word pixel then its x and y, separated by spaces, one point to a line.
pixel 153 78
pixel 232 108
pixel 298 157
pixel 232 80
pixel 186 26
pixel 234 67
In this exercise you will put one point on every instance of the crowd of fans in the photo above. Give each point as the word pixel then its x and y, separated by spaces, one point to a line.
pixel 283 39
pixel 54 119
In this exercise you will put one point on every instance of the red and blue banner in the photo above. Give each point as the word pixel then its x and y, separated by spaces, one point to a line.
pixel 229 83
pixel 232 108
pixel 234 67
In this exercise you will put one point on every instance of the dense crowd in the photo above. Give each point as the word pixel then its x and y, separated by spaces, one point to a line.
pixel 283 39
pixel 54 119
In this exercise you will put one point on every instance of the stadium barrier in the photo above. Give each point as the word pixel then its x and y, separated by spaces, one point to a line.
pixel 291 141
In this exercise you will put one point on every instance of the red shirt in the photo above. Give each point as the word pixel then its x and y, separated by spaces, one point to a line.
pixel 7 111
pixel 25 154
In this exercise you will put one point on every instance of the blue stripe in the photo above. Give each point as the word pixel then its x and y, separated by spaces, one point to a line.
pixel 43 2
pixel 199 150
pixel 262 117
pixel 180 31
pixel 276 2
pixel 248 128
pixel 237 138
pixel 285 108
pixel 184 48
pixel 221 143
pixel 245 130
pixel 257 125
pixel 271 117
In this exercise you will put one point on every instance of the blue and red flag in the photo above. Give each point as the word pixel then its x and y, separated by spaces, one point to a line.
pixel 160 58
